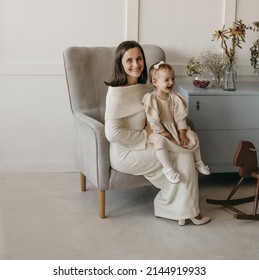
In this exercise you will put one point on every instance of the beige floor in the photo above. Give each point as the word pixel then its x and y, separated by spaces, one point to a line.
pixel 45 216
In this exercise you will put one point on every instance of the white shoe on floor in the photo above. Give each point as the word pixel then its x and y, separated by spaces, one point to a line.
pixel 172 176
pixel 197 222
pixel 202 221
pixel 202 168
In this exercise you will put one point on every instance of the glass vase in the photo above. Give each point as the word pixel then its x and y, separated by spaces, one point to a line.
pixel 201 81
pixel 229 77
pixel 216 82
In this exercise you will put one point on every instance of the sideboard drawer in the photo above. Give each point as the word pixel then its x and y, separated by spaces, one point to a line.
pixel 221 119
pixel 224 112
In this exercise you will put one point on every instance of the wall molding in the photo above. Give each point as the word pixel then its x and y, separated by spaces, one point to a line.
pixel 38 166
pixel 32 68
pixel 40 68
pixel 132 20
pixel 57 69
pixel 245 70
pixel 229 12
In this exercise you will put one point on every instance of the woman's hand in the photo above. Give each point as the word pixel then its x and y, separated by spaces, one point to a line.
pixel 148 129
pixel 166 134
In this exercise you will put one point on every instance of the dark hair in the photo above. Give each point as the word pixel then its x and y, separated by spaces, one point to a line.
pixel 119 77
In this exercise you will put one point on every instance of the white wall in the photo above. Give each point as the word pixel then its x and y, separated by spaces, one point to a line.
pixel 35 119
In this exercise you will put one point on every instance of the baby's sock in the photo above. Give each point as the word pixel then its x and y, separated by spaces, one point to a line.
pixel 163 157
pixel 197 155
pixel 168 170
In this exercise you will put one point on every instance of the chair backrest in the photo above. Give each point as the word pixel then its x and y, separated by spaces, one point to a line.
pixel 246 158
pixel 86 70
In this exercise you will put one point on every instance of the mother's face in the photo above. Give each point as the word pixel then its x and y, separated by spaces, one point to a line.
pixel 133 64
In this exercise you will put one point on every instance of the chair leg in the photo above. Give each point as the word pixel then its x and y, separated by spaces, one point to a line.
pixel 83 182
pixel 101 203
pixel 256 197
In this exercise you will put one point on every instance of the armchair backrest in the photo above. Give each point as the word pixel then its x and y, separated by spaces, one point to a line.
pixel 86 70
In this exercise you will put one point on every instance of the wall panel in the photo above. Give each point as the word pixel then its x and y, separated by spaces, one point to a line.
pixel 35 119
pixel 184 28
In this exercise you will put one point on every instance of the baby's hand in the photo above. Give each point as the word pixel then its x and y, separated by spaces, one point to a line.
pixel 166 134
pixel 183 139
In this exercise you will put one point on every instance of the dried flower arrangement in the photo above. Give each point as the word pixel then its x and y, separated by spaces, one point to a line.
pixel 215 64
pixel 194 67
pixel 236 33
pixel 255 55
pixel 255 50
pixel 208 64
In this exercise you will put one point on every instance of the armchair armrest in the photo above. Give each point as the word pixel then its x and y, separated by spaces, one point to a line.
pixel 92 150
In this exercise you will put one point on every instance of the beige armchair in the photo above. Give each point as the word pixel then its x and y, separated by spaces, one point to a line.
pixel 86 70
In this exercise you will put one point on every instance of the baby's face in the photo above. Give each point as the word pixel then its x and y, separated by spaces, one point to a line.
pixel 165 81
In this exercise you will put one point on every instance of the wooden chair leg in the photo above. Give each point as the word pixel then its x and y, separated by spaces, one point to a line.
pixel 256 197
pixel 101 203
pixel 83 182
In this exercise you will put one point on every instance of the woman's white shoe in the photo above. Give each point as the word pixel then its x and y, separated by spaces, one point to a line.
pixel 202 221
pixel 203 169
pixel 197 222
pixel 181 222
pixel 172 176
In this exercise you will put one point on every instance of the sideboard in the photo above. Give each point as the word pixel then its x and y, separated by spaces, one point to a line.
pixel 221 119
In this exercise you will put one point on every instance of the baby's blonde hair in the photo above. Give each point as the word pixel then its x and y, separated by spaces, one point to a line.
pixel 156 67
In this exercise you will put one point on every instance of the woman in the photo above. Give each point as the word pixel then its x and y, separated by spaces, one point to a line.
pixel 130 152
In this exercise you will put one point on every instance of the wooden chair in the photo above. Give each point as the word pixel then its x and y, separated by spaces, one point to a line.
pixel 246 158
